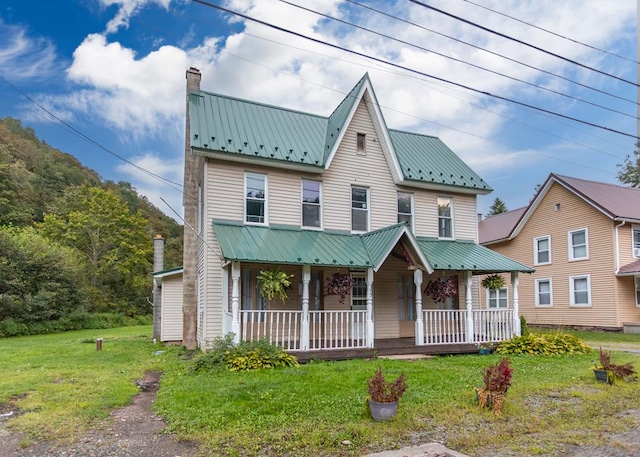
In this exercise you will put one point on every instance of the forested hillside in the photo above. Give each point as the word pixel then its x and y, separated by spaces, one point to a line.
pixel 75 252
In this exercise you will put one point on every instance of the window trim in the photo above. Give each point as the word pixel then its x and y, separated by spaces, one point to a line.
pixel 302 203
pixel 536 251
pixel 368 208
pixel 266 198
pixel 451 205
pixel 635 251
pixel 488 298
pixel 572 296
pixel 571 246
pixel 412 214
pixel 537 292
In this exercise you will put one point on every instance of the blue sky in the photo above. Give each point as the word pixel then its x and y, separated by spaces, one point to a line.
pixel 115 71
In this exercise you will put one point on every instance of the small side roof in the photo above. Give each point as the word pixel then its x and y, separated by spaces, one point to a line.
pixel 631 269
pixel 498 227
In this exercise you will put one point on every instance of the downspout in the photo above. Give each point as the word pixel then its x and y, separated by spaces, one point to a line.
pixel 615 287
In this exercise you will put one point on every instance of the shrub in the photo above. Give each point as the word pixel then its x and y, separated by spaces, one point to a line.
pixel 543 344
pixel 383 391
pixel 614 370
pixel 496 382
pixel 524 328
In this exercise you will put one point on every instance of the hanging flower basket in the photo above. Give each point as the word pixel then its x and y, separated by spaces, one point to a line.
pixel 440 289
pixel 340 284
pixel 494 281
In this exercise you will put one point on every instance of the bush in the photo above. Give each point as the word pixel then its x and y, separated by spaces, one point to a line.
pixel 496 382
pixel 524 328
pixel 383 391
pixel 543 344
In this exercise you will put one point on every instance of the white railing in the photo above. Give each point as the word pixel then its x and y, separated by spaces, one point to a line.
pixel 337 329
pixel 444 326
pixel 279 327
pixel 492 325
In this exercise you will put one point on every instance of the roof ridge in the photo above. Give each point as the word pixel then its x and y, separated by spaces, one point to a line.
pixel 414 133
pixel 505 212
pixel 349 94
pixel 619 186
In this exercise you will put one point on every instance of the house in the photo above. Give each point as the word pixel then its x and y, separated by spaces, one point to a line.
pixel 583 239
pixel 330 200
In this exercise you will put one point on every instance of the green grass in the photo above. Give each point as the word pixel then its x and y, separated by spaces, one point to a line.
pixel 599 338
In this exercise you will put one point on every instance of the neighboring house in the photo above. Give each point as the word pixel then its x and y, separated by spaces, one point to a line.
pixel 317 196
pixel 583 239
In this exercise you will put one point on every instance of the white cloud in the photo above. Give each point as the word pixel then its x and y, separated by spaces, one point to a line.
pixel 127 9
pixel 24 57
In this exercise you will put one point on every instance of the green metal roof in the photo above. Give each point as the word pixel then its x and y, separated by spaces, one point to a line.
pixel 379 243
pixel 462 255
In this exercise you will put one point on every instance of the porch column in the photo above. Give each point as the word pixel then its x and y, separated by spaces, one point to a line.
pixel 417 280
pixel 516 311
pixel 235 301
pixel 304 331
pixel 468 280
pixel 370 307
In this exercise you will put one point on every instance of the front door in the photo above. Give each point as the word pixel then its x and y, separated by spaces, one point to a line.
pixel 406 305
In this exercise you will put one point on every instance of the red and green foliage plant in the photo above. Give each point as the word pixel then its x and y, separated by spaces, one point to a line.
pixel 383 391
pixel 440 289
pixel 496 382
pixel 614 370
pixel 340 284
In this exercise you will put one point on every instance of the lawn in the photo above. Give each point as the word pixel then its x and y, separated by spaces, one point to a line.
pixel 318 408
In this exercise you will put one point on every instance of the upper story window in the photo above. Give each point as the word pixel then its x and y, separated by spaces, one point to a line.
pixel 311 204
pixel 636 241
pixel 361 143
pixel 578 244
pixel 445 217
pixel 544 295
pixel 497 298
pixel 359 209
pixel 542 250
pixel 405 208
pixel 580 290
pixel 255 191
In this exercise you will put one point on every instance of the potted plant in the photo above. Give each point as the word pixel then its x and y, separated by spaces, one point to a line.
pixel 340 284
pixel 496 382
pixel 274 283
pixel 484 348
pixel 609 372
pixel 384 395
pixel 494 281
pixel 441 289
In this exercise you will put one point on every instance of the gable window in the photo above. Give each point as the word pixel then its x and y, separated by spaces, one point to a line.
pixel 361 143
pixel 359 209
pixel 405 207
pixel 580 290
pixel 637 291
pixel 578 244
pixel 542 250
pixel 255 191
pixel 497 298
pixel 311 204
pixel 544 296
pixel 636 241
pixel 445 217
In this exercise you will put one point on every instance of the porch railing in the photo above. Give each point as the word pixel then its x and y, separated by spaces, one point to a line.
pixel 444 326
pixel 279 327
pixel 492 325
pixel 337 330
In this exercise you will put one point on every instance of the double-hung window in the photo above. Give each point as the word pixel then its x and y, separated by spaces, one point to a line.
pixel 636 241
pixel 578 244
pixel 580 290
pixel 255 191
pixel 544 294
pixel 445 217
pixel 311 204
pixel 359 209
pixel 405 208
pixel 542 250
pixel 359 291
pixel 497 298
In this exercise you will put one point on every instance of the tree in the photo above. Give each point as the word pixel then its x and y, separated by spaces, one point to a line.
pixel 497 207
pixel 629 171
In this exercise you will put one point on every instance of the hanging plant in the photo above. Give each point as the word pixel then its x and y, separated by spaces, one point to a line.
pixel 440 289
pixel 494 281
pixel 274 283
pixel 340 284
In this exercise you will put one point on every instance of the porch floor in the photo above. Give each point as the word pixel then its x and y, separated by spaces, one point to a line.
pixel 384 347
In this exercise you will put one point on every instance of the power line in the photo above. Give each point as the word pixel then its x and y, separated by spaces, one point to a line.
pixel 486 29
pixel 499 97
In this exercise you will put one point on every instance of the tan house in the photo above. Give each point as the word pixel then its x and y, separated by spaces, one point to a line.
pixel 583 239
pixel 332 201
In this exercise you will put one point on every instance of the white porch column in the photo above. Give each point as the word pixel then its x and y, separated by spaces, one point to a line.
pixel 516 311
pixel 417 280
pixel 370 335
pixel 235 301
pixel 468 280
pixel 304 331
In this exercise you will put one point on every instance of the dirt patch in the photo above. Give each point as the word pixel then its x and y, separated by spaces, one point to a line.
pixel 132 430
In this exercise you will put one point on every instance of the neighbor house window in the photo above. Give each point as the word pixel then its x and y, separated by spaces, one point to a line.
pixel 497 298
pixel 359 209
pixel 361 143
pixel 542 250
pixel 445 217
pixel 359 292
pixel 544 296
pixel 405 207
pixel 311 204
pixel 578 244
pixel 636 241
pixel 637 290
pixel 580 290
pixel 255 191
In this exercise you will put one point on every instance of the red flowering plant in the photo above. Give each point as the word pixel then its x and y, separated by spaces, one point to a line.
pixel 340 284
pixel 496 382
pixel 440 289
pixel 383 391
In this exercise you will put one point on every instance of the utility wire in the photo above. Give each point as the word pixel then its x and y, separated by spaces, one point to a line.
pixel 553 33
pixel 460 60
pixel 486 29
pixel 376 59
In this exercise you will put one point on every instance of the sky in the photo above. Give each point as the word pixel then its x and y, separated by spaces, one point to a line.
pixel 104 80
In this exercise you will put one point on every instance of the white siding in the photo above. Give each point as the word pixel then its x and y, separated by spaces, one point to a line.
pixel 171 319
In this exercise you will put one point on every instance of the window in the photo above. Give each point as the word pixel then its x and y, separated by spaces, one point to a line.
pixel 311 204
pixel 250 298
pixel 255 189
pixel 445 217
pixel 405 207
pixel 359 292
pixel 359 209
pixel 637 290
pixel 406 302
pixel 580 290
pixel 361 143
pixel 497 298
pixel 578 244
pixel 544 296
pixel 542 250
pixel 636 241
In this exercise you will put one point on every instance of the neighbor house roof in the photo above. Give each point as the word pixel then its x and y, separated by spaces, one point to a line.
pixel 239 130
pixel 630 269
pixel 498 227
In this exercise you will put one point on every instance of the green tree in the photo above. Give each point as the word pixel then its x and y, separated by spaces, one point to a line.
pixel 497 207
pixel 629 171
